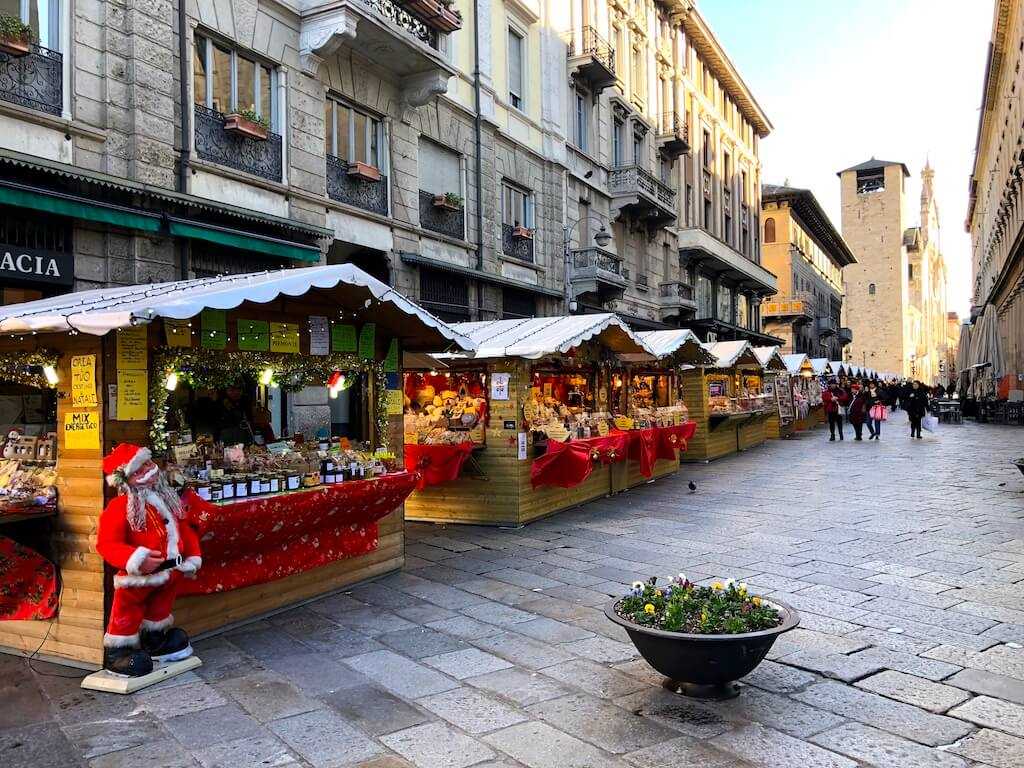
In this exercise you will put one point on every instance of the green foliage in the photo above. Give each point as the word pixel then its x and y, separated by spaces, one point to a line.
pixel 13 28
pixel 682 606
pixel 253 116
pixel 453 199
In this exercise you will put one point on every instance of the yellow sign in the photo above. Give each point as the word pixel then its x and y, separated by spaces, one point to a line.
pixel 132 395
pixel 623 422
pixel 411 438
pixel 396 401
pixel 83 381
pixel 131 348
pixel 556 432
pixel 82 431
pixel 284 337
pixel 179 333
pixel 602 427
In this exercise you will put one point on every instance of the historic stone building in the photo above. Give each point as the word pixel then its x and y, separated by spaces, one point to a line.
pixel 995 215
pixel 804 250
pixel 896 292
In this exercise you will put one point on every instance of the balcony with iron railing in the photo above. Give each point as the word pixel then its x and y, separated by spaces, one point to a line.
pixel 238 151
pixel 845 336
pixel 351 189
pixel 442 214
pixel 673 135
pixel 592 59
pixel 517 242
pixel 640 195
pixel 827 326
pixel 797 307
pixel 597 273
pixel 35 80
pixel 675 297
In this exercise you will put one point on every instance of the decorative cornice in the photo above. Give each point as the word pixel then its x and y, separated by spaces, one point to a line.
pixel 322 33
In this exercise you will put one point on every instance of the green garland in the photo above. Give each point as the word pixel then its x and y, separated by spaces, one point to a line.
pixel 27 367
pixel 218 369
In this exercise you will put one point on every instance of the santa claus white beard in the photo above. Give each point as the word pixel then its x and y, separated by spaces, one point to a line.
pixel 160 495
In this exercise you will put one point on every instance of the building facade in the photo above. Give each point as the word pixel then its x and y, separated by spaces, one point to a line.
pixel 808 255
pixel 995 214
pixel 475 154
pixel 896 292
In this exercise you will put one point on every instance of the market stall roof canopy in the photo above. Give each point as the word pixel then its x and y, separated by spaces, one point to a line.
pixel 729 354
pixel 533 338
pixel 343 286
pixel 770 358
pixel 797 363
pixel 681 342
pixel 820 365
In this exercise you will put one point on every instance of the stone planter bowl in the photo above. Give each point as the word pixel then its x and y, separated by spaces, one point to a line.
pixel 704 666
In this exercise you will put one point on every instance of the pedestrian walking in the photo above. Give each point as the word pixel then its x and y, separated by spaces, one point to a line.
pixel 915 403
pixel 876 411
pixel 836 399
pixel 859 413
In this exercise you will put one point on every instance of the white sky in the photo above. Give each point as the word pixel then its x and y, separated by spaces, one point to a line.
pixel 842 80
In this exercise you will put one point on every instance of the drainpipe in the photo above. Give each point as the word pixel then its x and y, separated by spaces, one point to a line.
pixel 184 161
pixel 478 127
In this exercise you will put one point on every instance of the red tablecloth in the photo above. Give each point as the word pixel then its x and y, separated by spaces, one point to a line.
pixel 436 463
pixel 253 541
pixel 28 583
pixel 672 439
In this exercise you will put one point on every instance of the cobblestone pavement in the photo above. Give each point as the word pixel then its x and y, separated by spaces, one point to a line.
pixel 904 558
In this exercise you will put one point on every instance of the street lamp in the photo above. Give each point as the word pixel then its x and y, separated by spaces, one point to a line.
pixel 602 237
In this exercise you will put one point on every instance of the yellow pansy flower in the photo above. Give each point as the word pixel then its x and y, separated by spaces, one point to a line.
pixel 649 609
pixel 755 600
pixel 717 585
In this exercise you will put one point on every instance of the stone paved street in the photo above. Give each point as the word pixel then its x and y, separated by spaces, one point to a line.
pixel 904 558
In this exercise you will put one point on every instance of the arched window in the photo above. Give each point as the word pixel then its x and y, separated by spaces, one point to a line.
pixel 871 289
pixel 769 230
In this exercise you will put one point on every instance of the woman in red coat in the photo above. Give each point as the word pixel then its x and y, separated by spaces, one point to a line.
pixel 835 399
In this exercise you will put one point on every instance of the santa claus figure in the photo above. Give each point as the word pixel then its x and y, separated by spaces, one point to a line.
pixel 143 534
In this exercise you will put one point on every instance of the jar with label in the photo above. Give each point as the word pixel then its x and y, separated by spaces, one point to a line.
pixel 255 485
pixel 294 481
pixel 310 480
pixel 353 471
pixel 264 483
pixel 216 491
pixel 241 486
pixel 228 490
pixel 203 490
pixel 275 484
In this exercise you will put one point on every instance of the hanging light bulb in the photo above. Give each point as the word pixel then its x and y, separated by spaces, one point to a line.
pixel 267 377
pixel 171 382
pixel 51 375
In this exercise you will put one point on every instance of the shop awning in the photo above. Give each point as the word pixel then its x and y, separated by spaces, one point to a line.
pixel 24 196
pixel 770 358
pixel 838 367
pixel 106 309
pixel 821 366
pixel 682 343
pixel 729 354
pixel 797 363
pixel 533 338
pixel 243 240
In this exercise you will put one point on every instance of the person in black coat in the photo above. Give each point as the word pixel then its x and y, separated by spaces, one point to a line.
pixel 915 402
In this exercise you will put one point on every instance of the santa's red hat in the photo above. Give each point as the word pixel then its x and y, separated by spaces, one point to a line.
pixel 124 461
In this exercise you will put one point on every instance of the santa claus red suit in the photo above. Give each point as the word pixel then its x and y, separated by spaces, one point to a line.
pixel 144 535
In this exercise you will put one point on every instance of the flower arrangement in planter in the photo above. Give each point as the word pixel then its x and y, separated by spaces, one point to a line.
pixel 701 638
pixel 15 36
pixel 439 14
pixel 247 123
pixel 364 171
pixel 522 233
pixel 449 201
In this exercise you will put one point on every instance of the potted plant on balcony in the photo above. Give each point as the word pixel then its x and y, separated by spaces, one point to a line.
pixel 247 122
pixel 449 201
pixel 15 36
pixel 439 14
pixel 363 171
pixel 520 232
pixel 701 638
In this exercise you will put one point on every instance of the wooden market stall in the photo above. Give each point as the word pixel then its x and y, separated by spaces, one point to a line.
pixel 553 400
pixel 821 370
pixel 778 395
pixel 805 391
pixel 728 397
pixel 212 374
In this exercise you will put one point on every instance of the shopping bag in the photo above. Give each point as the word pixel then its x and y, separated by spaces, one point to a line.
pixel 929 422
pixel 878 412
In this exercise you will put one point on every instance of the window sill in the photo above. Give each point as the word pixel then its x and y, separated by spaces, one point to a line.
pixel 239 176
pixel 520 263
pixel 70 127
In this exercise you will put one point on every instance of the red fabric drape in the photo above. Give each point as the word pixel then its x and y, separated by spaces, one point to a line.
pixel 253 541
pixel 436 463
pixel 28 583
pixel 672 439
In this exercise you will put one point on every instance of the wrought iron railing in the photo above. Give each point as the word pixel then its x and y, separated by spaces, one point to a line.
pixel 446 221
pixel 674 125
pixel 35 80
pixel 589 43
pixel 827 326
pixel 243 153
pixel 641 280
pixel 632 178
pixel 517 247
pixel 405 19
pixel 599 258
pixel 368 195
pixel 676 291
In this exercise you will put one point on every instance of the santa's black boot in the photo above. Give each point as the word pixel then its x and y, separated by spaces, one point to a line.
pixel 133 662
pixel 165 645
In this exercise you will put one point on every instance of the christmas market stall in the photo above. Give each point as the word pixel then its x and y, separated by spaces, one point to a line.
pixel 777 393
pixel 728 396
pixel 821 371
pixel 805 391
pixel 554 402
pixel 272 406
